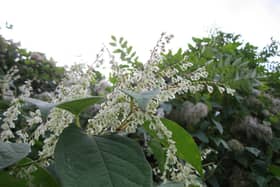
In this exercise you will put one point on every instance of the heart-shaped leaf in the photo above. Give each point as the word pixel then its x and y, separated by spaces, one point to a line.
pixel 11 153
pixel 111 161
pixel 186 146
pixel 142 99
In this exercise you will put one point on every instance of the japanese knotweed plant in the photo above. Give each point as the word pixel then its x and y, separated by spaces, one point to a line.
pixel 101 154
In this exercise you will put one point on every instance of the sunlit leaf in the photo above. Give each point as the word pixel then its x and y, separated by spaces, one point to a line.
pixel 76 106
pixel 186 146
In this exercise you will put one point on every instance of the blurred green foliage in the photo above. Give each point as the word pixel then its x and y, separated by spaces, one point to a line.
pixel 241 132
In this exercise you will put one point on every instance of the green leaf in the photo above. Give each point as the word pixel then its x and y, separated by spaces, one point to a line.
pixel 218 126
pixel 121 40
pixel 133 54
pixel 275 170
pixel 118 51
pixel 7 180
pixel 219 141
pixel 124 45
pixel 142 99
pixel 76 106
pixel 113 44
pixel 253 150
pixel 128 50
pixel 158 152
pixel 10 153
pixel 111 161
pixel 114 38
pixel 44 107
pixel 186 146
pixel 201 136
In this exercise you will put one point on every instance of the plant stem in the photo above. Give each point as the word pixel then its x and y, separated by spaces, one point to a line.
pixel 31 162
pixel 126 120
pixel 77 117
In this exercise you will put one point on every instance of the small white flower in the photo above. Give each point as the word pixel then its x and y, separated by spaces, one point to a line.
pixel 209 89
pixel 221 89
pixel 230 91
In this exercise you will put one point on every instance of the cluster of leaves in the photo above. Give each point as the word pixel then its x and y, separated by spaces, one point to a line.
pixel 127 55
pixel 252 155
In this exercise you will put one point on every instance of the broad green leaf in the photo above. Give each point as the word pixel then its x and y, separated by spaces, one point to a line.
pixel 44 107
pixel 111 161
pixel 7 180
pixel 275 170
pixel 142 99
pixel 186 146
pixel 171 184
pixel 76 106
pixel 10 153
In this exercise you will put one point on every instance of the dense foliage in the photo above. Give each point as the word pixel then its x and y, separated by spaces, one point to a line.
pixel 239 132
pixel 205 116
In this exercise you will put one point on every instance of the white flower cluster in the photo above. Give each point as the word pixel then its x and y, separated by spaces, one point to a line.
pixel 74 85
pixel 57 122
pixel 8 122
pixel 119 114
pixel 11 115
